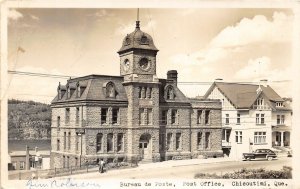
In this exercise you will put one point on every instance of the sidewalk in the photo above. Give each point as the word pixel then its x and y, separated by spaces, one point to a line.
pixel 164 164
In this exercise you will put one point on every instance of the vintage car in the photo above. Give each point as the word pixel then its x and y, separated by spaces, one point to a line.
pixel 260 154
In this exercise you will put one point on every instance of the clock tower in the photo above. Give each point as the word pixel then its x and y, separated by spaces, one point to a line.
pixel 138 56
pixel 138 67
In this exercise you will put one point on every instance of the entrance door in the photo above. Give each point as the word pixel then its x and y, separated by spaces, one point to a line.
pixel 145 147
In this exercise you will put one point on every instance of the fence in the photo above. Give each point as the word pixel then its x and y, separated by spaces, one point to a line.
pixel 56 172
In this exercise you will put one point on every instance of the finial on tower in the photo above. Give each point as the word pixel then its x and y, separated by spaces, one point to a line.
pixel 138 21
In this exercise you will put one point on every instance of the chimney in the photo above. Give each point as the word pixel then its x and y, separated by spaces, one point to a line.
pixel 172 75
pixel 264 82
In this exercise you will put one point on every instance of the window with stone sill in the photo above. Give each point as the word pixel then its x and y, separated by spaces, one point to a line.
pixel 67 115
pixel 77 115
pixel 178 141
pixel 199 141
pixel 110 142
pixel 115 115
pixel 207 117
pixel 164 117
pixel 174 117
pixel 120 142
pixel 207 140
pixel 99 138
pixel 104 113
pixel 199 116
pixel 169 141
pixel 58 145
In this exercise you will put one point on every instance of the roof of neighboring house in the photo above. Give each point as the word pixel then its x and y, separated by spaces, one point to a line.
pixel 244 95
pixel 31 153
pixel 20 145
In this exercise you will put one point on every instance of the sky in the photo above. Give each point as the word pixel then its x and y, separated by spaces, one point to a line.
pixel 203 44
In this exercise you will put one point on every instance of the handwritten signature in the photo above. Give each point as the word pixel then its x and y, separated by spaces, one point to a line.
pixel 64 183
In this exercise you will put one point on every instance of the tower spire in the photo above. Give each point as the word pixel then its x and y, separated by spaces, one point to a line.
pixel 138 21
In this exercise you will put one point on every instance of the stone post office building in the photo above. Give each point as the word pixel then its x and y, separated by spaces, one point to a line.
pixel 132 116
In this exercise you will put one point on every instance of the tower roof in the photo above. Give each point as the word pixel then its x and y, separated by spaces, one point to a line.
pixel 137 40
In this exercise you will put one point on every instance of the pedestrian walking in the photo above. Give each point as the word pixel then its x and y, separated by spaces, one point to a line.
pixel 101 166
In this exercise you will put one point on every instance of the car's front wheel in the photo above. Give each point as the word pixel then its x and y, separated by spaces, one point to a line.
pixel 270 158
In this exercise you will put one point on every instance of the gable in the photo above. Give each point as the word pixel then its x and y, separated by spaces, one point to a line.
pixel 217 94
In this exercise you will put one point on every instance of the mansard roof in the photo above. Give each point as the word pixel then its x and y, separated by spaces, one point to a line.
pixel 244 95
pixel 94 89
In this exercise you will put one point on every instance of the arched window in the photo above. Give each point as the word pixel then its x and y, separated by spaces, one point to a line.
pixel 78 93
pixel 110 90
pixel 170 93
pixel 99 142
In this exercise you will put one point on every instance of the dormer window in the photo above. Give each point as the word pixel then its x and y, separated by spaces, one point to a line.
pixel 170 95
pixel 59 94
pixel 279 104
pixel 127 41
pixel 144 40
pixel 110 90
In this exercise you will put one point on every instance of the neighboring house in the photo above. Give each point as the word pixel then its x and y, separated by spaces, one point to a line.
pixel 23 157
pixel 132 116
pixel 253 116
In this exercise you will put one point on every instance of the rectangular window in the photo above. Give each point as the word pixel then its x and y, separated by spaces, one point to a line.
pixel 65 140
pixel 67 115
pixel 199 140
pixel 262 118
pixel 58 145
pixel 115 115
pixel 174 117
pixel 227 119
pixel 141 116
pixel 110 142
pixel 64 161
pixel 22 165
pixel 68 161
pixel 282 119
pixel 104 112
pixel 278 119
pixel 76 161
pixel 178 141
pixel 120 142
pixel 69 141
pixel 164 117
pixel 257 118
pixel 238 137
pixel 169 141
pixel 99 138
pixel 14 165
pixel 77 142
pixel 77 115
pixel 259 137
pixel 58 121
pixel 207 140
pixel 199 115
pixel 207 117
pixel 149 116
pixel 238 119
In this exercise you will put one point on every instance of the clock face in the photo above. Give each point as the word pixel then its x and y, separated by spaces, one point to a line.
pixel 126 64
pixel 144 64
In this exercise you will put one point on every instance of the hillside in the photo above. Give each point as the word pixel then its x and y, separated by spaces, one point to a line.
pixel 28 120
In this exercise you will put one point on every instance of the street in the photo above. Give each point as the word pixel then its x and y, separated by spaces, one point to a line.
pixel 185 169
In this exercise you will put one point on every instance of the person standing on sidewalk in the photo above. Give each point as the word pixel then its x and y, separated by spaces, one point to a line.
pixel 101 166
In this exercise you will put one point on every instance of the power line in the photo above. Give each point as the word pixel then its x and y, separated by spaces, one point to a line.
pixel 181 83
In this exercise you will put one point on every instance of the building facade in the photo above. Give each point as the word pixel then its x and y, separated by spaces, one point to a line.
pixel 134 116
pixel 253 116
